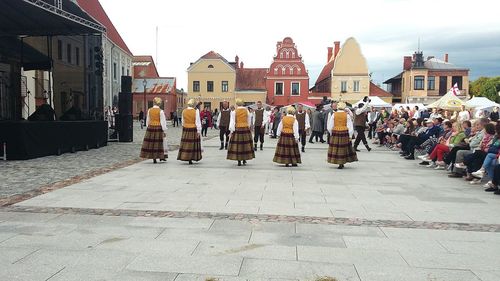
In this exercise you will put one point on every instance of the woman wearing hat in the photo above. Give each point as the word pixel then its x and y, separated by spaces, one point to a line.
pixel 287 150
pixel 340 149
pixel 190 148
pixel 152 146
pixel 240 141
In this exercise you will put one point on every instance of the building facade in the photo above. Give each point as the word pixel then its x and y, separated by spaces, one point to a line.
pixel 287 79
pixel 426 80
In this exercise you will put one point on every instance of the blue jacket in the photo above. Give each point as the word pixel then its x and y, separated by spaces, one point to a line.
pixel 430 132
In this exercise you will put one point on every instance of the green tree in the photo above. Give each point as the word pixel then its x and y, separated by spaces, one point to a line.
pixel 486 87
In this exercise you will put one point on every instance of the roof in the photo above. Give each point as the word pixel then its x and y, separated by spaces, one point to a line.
pixel 327 71
pixel 251 79
pixel 213 56
pixel 378 92
pixel 397 77
pixel 94 9
pixel 144 66
pixel 162 85
pixel 437 64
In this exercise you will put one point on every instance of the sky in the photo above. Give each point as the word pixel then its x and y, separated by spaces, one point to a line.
pixel 387 30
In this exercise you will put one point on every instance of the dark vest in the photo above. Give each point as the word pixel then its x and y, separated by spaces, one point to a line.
pixel 225 116
pixel 360 120
pixel 301 119
pixel 259 117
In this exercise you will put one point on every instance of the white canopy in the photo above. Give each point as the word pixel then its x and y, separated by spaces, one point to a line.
pixel 448 102
pixel 264 105
pixel 480 103
pixel 375 102
pixel 398 106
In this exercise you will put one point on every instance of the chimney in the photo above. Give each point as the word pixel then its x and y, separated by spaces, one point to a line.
pixel 237 60
pixel 445 57
pixel 241 65
pixel 330 52
pixel 337 48
pixel 407 60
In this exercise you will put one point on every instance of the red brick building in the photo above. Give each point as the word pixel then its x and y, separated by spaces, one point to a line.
pixel 147 82
pixel 287 79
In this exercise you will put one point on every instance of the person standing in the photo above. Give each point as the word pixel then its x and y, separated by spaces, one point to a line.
pixel 328 114
pixel 240 142
pixel 259 125
pixel 304 125
pixel 215 117
pixel 190 147
pixel 223 125
pixel 340 150
pixel 464 115
pixel 287 150
pixel 206 121
pixel 276 121
pixel 373 117
pixel 494 116
pixel 152 145
pixel 141 119
pixel 175 120
pixel 360 124
pixel 318 127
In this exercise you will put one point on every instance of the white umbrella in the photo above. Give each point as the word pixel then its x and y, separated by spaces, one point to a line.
pixel 375 102
pixel 480 103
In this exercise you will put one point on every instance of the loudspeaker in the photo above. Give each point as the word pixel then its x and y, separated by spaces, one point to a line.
pixel 125 103
pixel 126 131
pixel 126 84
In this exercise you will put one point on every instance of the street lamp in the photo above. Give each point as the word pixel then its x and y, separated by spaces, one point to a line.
pixel 144 83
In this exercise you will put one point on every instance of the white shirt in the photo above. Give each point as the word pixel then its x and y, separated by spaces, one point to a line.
pixel 163 120
pixel 358 111
pixel 232 122
pixel 331 120
pixel 197 120
pixel 416 115
pixel 295 127
pixel 463 116
pixel 307 123
pixel 265 118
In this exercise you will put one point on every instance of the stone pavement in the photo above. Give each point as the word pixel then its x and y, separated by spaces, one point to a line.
pixel 381 218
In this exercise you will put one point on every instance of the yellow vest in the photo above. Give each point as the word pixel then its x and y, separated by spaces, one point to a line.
pixel 340 121
pixel 241 118
pixel 288 124
pixel 189 117
pixel 154 116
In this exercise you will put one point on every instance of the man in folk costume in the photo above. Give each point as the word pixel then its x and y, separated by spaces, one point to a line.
pixel 240 143
pixel 360 118
pixel 304 125
pixel 190 148
pixel 259 125
pixel 340 127
pixel 287 151
pixel 152 146
pixel 223 125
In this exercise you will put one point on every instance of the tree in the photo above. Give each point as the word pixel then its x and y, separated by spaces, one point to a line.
pixel 486 87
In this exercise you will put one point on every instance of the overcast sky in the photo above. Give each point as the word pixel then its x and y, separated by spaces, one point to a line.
pixel 387 30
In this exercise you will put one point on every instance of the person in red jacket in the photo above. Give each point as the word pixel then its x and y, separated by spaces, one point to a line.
pixel 206 121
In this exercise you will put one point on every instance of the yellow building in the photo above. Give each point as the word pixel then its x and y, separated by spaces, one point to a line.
pixel 212 79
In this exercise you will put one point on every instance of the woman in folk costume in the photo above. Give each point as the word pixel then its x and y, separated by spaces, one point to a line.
pixel 152 146
pixel 240 141
pixel 190 148
pixel 287 150
pixel 340 150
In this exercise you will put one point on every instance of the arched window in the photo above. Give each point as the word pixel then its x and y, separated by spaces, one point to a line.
pixel 299 71
pixel 283 69
pixel 276 71
pixel 287 54
pixel 210 66
pixel 281 55
pixel 291 70
pixel 293 54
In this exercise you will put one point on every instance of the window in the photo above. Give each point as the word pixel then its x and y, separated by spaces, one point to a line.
pixel 431 83
pixel 114 70
pixel 355 86
pixel 283 71
pixel 225 86
pixel 276 71
pixel 196 86
pixel 418 83
pixel 123 71
pixel 68 53
pixel 457 80
pixel 343 86
pixel 210 66
pixel 77 56
pixel 128 72
pixel 278 88
pixel 291 70
pixel 295 89
pixel 59 50
pixel 210 86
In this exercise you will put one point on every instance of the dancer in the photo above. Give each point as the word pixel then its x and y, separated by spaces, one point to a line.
pixel 360 118
pixel 259 125
pixel 190 148
pixel 223 125
pixel 287 151
pixel 340 127
pixel 304 125
pixel 152 146
pixel 240 141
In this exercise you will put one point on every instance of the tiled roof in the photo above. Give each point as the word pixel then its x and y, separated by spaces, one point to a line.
pixel 378 92
pixel 144 66
pixel 162 85
pixel 326 72
pixel 251 79
pixel 94 9
pixel 212 55
pixel 397 77
pixel 437 64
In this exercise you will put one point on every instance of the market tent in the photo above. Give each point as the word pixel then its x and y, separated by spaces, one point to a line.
pixel 448 102
pixel 264 105
pixel 304 104
pixel 375 102
pixel 480 103
pixel 398 106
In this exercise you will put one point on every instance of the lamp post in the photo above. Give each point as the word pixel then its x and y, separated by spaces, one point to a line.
pixel 145 83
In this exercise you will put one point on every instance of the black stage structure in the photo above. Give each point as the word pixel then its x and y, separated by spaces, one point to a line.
pixel 28 30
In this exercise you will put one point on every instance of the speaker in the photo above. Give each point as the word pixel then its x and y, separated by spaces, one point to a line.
pixel 126 131
pixel 125 103
pixel 126 84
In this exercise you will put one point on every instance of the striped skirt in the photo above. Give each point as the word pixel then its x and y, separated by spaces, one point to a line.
pixel 152 146
pixel 241 145
pixel 340 149
pixel 287 150
pixel 190 148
